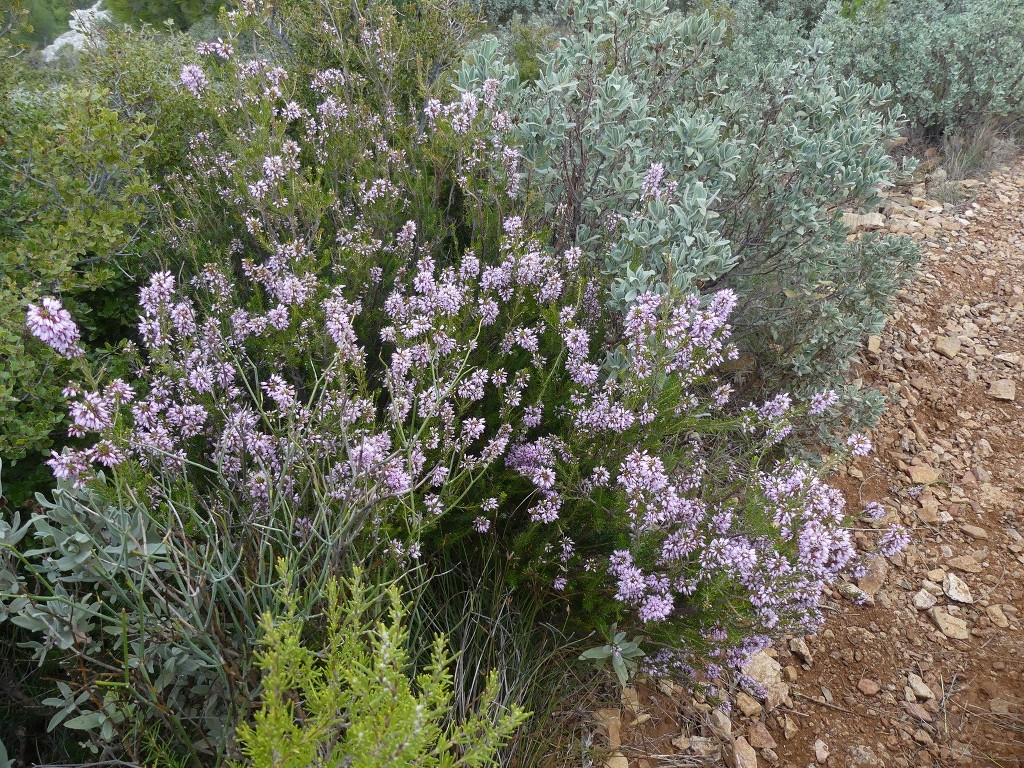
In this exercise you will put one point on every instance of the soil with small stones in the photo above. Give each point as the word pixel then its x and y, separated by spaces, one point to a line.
pixel 921 662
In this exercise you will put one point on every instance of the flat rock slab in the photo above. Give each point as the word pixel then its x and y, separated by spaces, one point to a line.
pixel 965 563
pixel 951 626
pixel 924 600
pixel 743 755
pixel 997 616
pixel 1004 389
pixel 948 346
pixel 922 474
pixel 874 578
pixel 957 589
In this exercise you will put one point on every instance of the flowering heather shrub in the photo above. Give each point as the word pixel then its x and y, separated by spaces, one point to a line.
pixel 365 351
pixel 670 173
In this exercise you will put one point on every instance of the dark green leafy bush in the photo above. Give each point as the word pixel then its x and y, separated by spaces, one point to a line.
pixel 72 200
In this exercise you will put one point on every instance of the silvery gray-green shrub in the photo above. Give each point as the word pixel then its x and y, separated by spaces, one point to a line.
pixel 671 175
pixel 950 63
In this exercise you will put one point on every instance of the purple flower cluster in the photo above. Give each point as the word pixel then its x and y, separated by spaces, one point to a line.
pixel 49 322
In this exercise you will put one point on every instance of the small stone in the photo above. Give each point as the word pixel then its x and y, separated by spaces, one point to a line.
pixel 936 574
pixel 916 710
pixel 864 757
pixel 974 531
pixel 616 760
pixel 759 736
pixel 924 600
pixel 1002 706
pixel 997 617
pixel 920 687
pixel 630 700
pixel 821 752
pixel 799 648
pixel 922 474
pixel 682 743
pixel 874 344
pixel 951 626
pixel 763 668
pixel 921 736
pixel 965 563
pixel 748 705
pixel 1003 389
pixel 874 578
pixel 948 346
pixel 957 589
pixel 789 727
pixel 743 755
pixel 704 746
pixel 868 687
pixel 929 511
pixel 778 694
pixel 610 720
pixel 720 723
pixel 862 223
pixel 854 594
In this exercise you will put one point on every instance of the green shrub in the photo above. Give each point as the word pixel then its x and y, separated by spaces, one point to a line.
pixel 396 327
pixel 352 702
pixel 669 173
pixel 72 200
pixel 184 13
pixel 951 63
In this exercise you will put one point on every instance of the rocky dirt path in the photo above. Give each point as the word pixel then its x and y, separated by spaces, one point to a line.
pixel 929 670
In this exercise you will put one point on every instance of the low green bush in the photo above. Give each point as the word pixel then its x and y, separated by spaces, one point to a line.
pixel 351 701
pixel 72 201
pixel 951 64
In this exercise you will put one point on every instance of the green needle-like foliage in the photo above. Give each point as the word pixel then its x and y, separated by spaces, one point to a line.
pixel 353 702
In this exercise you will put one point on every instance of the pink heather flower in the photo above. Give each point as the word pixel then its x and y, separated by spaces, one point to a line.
pixel 407 236
pixel 92 413
pixel 194 79
pixel 859 444
pixel 822 401
pixel 280 391
pixel 106 453
pixel 893 541
pixel 721 395
pixel 52 324
pixel 482 525
pixel 651 186
pixel 874 511
pixel 220 49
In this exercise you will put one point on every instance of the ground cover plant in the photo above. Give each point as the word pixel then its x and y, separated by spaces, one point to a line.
pixel 469 332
